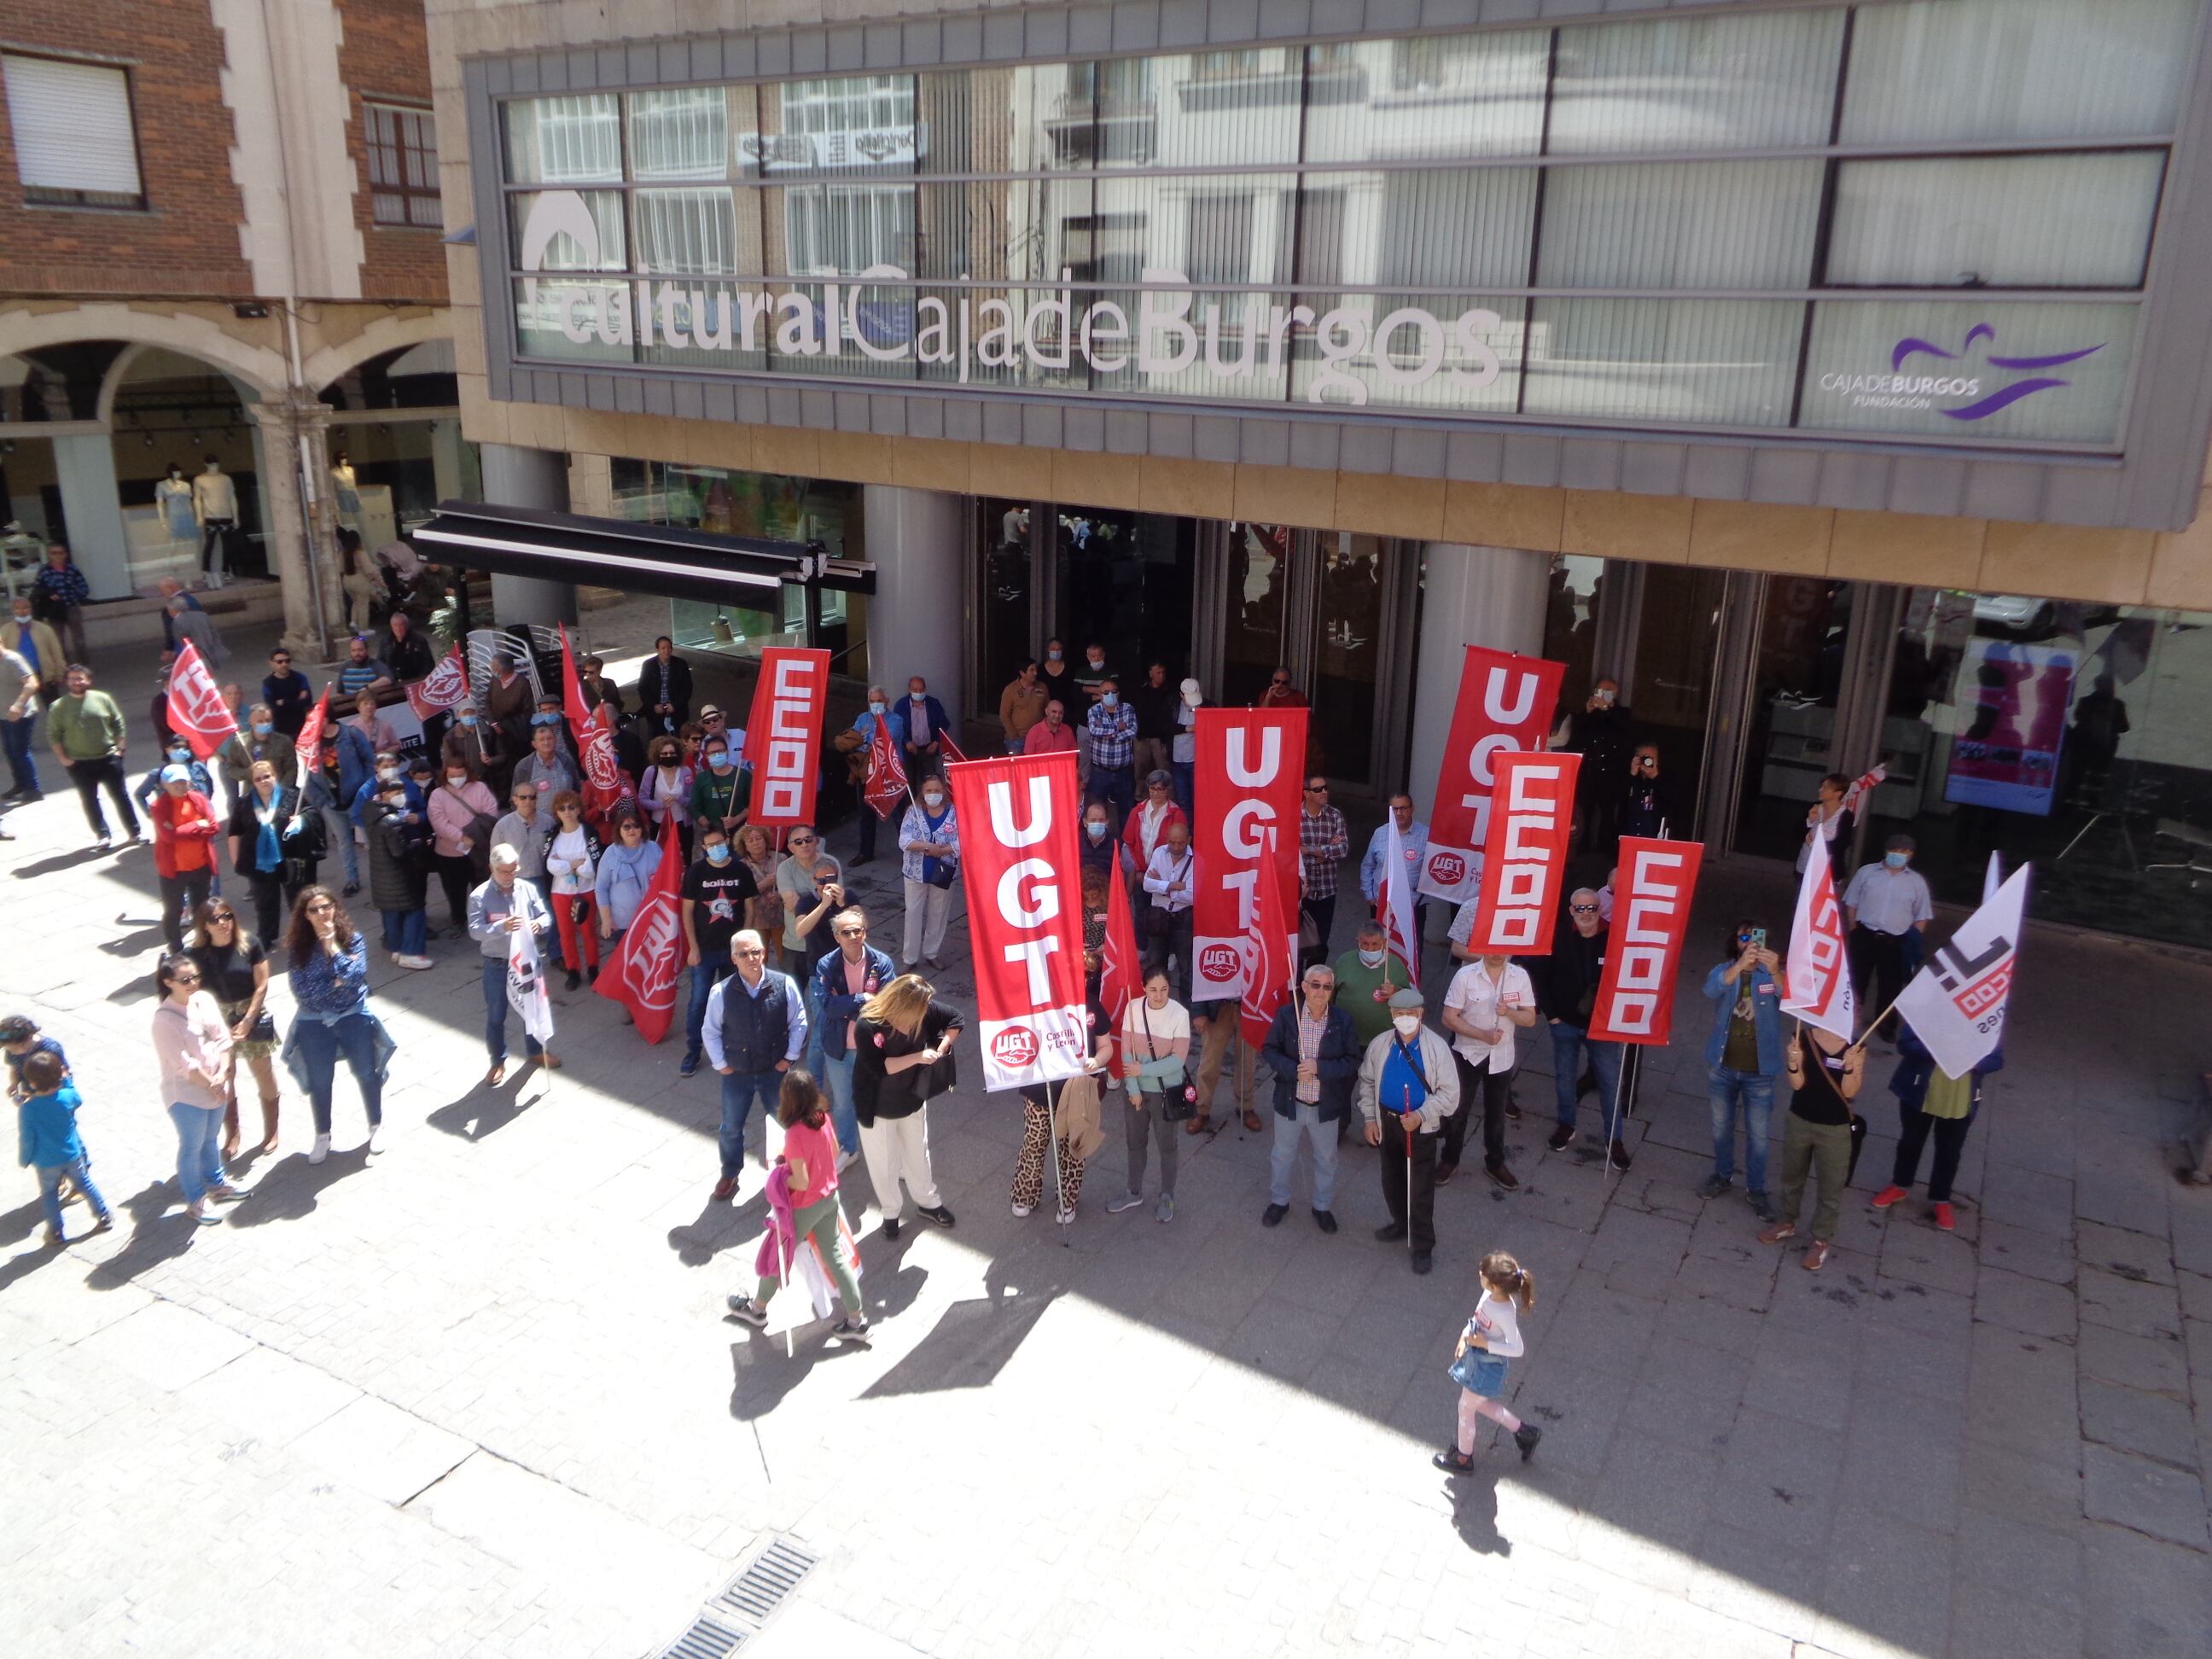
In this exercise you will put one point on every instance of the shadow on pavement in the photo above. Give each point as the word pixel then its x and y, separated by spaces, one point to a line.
pixel 157 1235
pixel 292 1188
pixel 1474 1513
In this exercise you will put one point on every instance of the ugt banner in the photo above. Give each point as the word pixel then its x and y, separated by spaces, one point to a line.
pixel 641 973
pixel 197 712
pixel 1524 856
pixel 1650 914
pixel 784 734
pixel 1506 705
pixel 1249 770
pixel 1018 816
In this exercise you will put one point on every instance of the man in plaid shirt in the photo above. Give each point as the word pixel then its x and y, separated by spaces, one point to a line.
pixel 1113 751
pixel 1324 842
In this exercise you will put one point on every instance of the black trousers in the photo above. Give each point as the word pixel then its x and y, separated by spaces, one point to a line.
pixel 182 895
pixel 1323 912
pixel 1493 1089
pixel 1422 1218
pixel 91 776
pixel 1175 942
pixel 270 902
pixel 456 876
pixel 1877 971
pixel 1913 1128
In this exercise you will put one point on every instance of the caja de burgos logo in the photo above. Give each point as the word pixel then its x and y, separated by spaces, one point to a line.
pixel 1015 1047
pixel 1981 392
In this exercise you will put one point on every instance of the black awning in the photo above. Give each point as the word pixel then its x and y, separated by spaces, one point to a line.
pixel 645 558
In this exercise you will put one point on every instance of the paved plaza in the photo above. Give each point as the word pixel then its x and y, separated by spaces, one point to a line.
pixel 477 1396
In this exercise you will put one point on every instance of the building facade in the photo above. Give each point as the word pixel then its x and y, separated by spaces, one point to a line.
pixel 220 227
pixel 1829 376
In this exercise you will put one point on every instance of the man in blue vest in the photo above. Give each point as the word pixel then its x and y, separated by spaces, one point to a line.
pixel 755 1031
pixel 844 979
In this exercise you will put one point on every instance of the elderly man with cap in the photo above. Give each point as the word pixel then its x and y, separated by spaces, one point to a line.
pixel 504 903
pixel 1183 748
pixel 1407 1077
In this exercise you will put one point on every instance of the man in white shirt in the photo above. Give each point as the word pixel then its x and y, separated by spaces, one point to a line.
pixel 1171 882
pixel 1488 998
pixel 1887 908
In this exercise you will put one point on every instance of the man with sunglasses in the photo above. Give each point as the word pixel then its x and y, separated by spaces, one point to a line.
pixel 1281 693
pixel 1567 984
pixel 287 694
pixel 1324 842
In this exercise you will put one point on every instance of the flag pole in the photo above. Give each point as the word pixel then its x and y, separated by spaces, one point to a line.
pixel 1058 1190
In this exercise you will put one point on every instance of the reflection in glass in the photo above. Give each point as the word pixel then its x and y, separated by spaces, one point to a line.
pixel 855 124
pixel 1440 351
pixel 1692 360
pixel 1796 677
pixel 1347 657
pixel 1570 602
pixel 1028 118
pixel 683 133
pixel 1432 99
pixel 565 237
pixel 1220 109
pixel 1677 630
pixel 563 140
pixel 1125 581
pixel 1695 224
pixel 1762 82
pixel 1253 646
pixel 690 231
pixel 1005 528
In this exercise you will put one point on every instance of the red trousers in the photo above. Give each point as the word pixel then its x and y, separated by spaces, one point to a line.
pixel 565 907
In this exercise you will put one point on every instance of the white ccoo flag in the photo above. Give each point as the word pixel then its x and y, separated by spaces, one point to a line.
pixel 1956 1003
pixel 525 982
pixel 1818 969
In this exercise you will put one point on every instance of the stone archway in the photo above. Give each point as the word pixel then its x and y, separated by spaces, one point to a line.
pixel 385 334
pixel 260 368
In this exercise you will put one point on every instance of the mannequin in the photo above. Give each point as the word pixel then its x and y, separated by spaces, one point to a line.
pixel 173 499
pixel 216 499
pixel 344 490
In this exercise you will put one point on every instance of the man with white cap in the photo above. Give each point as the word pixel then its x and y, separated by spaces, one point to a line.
pixel 1183 748
pixel 501 905
pixel 1407 1077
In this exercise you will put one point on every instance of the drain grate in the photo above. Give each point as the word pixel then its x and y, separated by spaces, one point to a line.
pixel 705 1640
pixel 756 1593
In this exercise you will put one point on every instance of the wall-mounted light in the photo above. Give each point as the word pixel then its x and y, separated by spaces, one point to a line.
pixel 149 441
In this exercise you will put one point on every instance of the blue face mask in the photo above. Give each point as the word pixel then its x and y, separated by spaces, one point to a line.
pixel 262 729
pixel 719 760
pixel 468 719
pixel 182 755
pixel 1894 860
pixel 1107 699
pixel 876 707
pixel 545 720
pixel 717 854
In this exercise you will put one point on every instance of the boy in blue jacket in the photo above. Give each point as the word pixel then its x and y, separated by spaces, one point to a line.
pixel 48 1142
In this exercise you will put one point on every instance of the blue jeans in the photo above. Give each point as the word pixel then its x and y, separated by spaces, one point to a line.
pixel 50 1189
pixel 710 972
pixel 495 1011
pixel 1322 1137
pixel 836 1076
pixel 22 764
pixel 738 1088
pixel 407 932
pixel 1117 787
pixel 1185 787
pixel 200 1155
pixel 1568 1043
pixel 321 1045
pixel 1754 1091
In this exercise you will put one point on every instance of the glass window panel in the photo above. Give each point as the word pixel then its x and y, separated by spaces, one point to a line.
pixel 1206 109
pixel 1970 369
pixel 1014 230
pixel 683 133
pixel 2003 222
pixel 1449 229
pixel 838 229
pixel 1688 360
pixel 686 232
pixel 1732 82
pixel 856 124
pixel 709 318
pixel 1213 230
pixel 571 321
pixel 1128 132
pixel 2017 69
pixel 1696 224
pixel 562 238
pixel 576 140
pixel 1030 118
pixel 1436 98
pixel 1380 351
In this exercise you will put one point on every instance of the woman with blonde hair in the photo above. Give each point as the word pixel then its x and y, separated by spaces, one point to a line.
pixel 902 1056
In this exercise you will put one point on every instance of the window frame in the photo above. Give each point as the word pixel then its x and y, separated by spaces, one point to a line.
pixel 56 196
pixel 373 146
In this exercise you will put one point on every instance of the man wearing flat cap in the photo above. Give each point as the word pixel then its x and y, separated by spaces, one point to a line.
pixel 1407 1087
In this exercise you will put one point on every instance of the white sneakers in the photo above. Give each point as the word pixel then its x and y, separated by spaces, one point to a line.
pixel 1023 1212
pixel 846 1161
pixel 370 1145
pixel 400 959
pixel 321 1151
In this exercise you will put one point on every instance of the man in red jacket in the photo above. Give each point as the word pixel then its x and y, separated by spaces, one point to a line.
pixel 184 827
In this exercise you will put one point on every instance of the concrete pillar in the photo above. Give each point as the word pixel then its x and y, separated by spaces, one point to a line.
pixel 516 476
pixel 284 529
pixel 1489 596
pixel 452 468
pixel 84 468
pixel 915 618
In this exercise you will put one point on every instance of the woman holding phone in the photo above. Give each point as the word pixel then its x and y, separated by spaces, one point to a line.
pixel 1743 1057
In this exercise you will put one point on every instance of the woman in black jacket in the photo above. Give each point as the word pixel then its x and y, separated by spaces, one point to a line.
pixel 902 1056
pixel 274 846
pixel 399 859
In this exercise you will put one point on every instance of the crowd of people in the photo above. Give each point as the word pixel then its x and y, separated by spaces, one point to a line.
pixel 845 1046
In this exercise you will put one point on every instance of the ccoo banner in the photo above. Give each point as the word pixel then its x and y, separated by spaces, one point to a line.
pixel 1025 915
pixel 784 731
pixel 1524 856
pixel 1249 765
pixel 1506 705
pixel 1650 914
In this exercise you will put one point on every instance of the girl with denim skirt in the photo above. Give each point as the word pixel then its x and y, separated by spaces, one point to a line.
pixel 1483 1358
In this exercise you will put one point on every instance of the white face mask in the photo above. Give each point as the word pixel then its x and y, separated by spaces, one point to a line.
pixel 933 800
pixel 1371 958
pixel 457 779
pixel 1406 1023
pixel 876 707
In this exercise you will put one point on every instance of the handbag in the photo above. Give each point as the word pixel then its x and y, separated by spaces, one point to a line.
pixel 1178 1098
pixel 1480 1371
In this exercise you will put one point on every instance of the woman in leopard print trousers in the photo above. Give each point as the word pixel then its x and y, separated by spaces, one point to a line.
pixel 1037 1126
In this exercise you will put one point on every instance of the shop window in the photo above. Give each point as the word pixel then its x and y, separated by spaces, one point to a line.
pixel 1006 530
pixel 1791 733
pixel 403 166
pixel 76 144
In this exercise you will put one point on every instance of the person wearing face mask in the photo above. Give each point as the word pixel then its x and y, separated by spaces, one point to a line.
pixel 1021 705
pixel 179 753
pixel 715 890
pixel 1098 849
pixel 1887 910
pixel 1413 838
pixel 720 791
pixel 664 793
pixel 1566 983
pixel 855 743
pixel 463 815
pixel 506 903
pixel 1171 884
pixel 1601 732
pixel 399 873
pixel 1090 675
pixel 547 767
pixel 1112 750
pixel 1056 672
pixel 1488 999
pixel 929 854
pixel 1051 734
pixel 811 890
pixel 625 873
pixel 38 645
pixel 1407 1076
pixel 918 724
pixel 1155 1039
pixel 1367 978
pixel 572 857
pixel 185 828
pixel 473 741
pixel 1315 1059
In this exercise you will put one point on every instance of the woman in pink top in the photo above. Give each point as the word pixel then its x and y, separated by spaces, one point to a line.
pixel 810 1155
pixel 192 1042
pixel 458 801
pixel 665 792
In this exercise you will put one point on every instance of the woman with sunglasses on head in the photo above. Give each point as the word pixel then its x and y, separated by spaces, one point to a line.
pixel 327 966
pixel 193 1044
pixel 664 793
pixel 234 970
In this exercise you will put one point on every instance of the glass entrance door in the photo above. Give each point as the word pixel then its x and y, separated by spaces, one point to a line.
pixel 1792 735
pixel 1677 629
pixel 1126 580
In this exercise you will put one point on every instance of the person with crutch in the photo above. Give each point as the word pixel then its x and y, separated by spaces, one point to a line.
pixel 1408 1074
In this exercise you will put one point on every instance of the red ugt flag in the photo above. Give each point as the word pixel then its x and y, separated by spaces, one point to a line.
pixel 606 785
pixel 197 711
pixel 1271 949
pixel 310 745
pixel 446 686
pixel 1122 972
pixel 641 974
pixel 886 791
pixel 1504 705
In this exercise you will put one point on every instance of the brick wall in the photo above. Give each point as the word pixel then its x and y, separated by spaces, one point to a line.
pixel 186 242
pixel 385 59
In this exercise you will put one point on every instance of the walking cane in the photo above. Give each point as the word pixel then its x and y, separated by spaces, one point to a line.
pixel 1405 1097
pixel 1059 1191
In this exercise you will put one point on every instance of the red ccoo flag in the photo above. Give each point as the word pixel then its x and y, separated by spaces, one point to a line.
pixel 606 785
pixel 197 712
pixel 1271 952
pixel 1122 970
pixel 641 973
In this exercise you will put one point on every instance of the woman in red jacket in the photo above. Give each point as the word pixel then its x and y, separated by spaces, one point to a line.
pixel 185 828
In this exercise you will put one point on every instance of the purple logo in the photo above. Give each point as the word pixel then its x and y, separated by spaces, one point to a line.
pixel 2004 397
